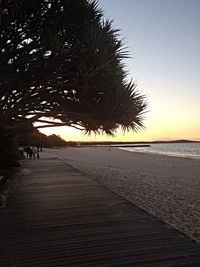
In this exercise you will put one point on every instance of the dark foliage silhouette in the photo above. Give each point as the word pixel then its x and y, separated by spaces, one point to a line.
pixel 61 64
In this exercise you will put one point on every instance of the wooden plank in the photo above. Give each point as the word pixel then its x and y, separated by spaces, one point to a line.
pixel 60 217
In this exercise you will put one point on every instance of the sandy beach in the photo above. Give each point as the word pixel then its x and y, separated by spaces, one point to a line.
pixel 166 187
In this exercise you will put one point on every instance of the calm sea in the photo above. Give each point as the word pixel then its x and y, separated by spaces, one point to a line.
pixel 188 150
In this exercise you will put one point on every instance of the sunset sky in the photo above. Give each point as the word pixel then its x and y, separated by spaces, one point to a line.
pixel 163 38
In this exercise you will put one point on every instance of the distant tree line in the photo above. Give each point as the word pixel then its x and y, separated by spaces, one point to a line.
pixel 41 140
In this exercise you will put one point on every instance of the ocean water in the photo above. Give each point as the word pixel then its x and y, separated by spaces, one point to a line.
pixel 187 150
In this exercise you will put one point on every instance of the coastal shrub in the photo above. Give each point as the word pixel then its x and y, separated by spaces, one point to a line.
pixel 9 153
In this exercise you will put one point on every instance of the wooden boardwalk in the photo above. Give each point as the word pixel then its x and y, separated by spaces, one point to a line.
pixel 59 217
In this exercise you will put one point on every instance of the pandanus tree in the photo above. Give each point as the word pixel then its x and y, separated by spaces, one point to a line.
pixel 61 63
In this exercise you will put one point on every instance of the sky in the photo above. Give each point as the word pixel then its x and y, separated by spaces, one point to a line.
pixel 163 38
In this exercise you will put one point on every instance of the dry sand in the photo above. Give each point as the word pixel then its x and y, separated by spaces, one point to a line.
pixel 166 187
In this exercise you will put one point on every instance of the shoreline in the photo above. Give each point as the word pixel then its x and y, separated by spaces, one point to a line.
pixel 166 187
pixel 161 154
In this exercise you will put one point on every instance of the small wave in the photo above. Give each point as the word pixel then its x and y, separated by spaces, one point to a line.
pixel 191 151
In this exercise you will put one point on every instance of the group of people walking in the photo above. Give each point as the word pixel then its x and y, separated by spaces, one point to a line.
pixel 32 152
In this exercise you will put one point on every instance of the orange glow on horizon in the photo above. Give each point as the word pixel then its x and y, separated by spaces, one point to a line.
pixel 163 122
pixel 71 134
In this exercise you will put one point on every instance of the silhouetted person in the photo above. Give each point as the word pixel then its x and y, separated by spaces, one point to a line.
pixel 34 152
pixel 38 150
pixel 30 152
pixel 26 149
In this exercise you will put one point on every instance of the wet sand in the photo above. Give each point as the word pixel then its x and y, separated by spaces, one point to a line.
pixel 166 187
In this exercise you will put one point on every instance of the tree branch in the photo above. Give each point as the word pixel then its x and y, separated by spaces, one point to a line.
pixel 58 125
